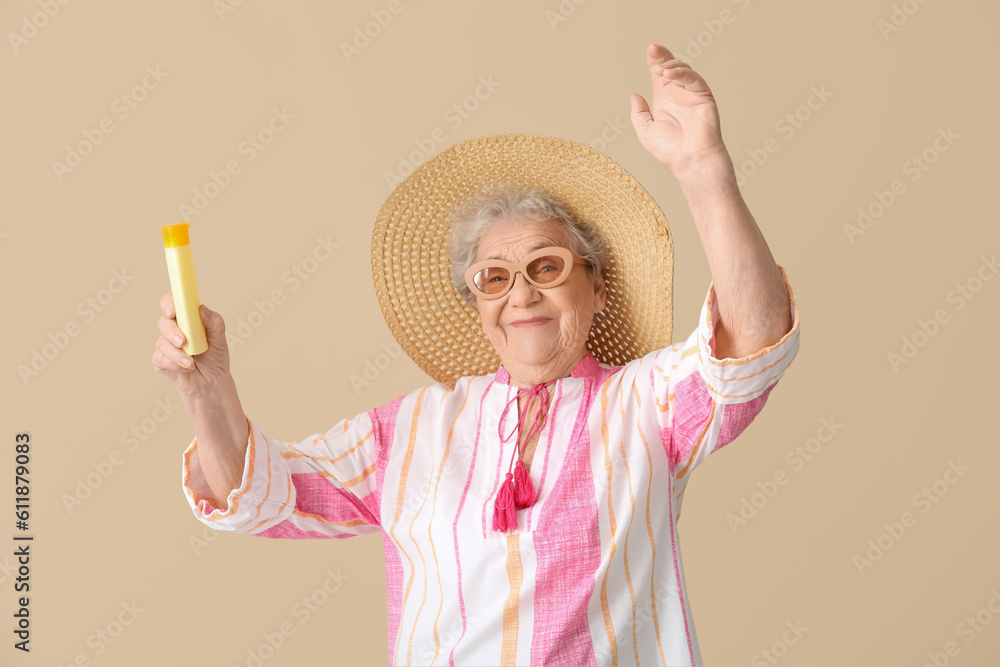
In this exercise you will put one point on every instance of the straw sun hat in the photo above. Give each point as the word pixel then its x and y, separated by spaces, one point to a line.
pixel 412 272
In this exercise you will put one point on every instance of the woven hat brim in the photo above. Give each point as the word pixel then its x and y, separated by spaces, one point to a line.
pixel 412 272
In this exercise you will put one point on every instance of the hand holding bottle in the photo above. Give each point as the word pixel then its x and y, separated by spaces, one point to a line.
pixel 198 374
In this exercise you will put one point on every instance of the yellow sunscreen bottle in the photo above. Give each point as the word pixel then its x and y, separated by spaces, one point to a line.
pixel 180 266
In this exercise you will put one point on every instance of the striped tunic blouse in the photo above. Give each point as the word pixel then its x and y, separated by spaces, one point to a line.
pixel 593 573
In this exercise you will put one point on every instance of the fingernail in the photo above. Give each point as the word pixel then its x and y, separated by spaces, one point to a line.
pixel 188 361
pixel 178 340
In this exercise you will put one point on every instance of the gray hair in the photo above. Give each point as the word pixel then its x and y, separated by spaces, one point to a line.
pixel 476 215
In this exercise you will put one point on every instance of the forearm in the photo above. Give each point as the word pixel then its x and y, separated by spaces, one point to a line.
pixel 751 295
pixel 222 431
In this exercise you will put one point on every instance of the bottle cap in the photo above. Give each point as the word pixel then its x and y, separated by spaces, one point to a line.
pixel 175 235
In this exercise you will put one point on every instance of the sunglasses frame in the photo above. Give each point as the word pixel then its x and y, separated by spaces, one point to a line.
pixel 568 256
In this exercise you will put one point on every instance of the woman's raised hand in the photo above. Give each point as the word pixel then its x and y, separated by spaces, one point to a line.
pixel 682 125
pixel 198 374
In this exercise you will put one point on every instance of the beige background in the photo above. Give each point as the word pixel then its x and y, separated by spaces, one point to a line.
pixel 134 538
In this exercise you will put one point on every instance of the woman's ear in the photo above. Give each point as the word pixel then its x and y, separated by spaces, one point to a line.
pixel 600 293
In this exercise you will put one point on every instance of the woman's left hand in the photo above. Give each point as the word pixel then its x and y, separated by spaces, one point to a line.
pixel 682 126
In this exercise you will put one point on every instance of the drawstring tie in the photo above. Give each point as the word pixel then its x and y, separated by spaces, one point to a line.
pixel 517 492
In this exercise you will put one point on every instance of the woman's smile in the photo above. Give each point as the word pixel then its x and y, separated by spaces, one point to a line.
pixel 533 322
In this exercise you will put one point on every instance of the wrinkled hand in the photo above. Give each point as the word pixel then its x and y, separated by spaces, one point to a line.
pixel 682 126
pixel 202 373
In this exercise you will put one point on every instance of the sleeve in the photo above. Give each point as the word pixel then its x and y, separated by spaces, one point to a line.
pixel 324 486
pixel 705 402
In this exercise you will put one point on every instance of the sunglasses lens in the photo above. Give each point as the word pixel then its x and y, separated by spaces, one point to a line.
pixel 492 280
pixel 546 269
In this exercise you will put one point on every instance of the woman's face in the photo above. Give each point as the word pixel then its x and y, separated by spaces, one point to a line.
pixel 533 353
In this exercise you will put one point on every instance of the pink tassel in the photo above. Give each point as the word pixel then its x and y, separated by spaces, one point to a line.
pixel 524 491
pixel 503 507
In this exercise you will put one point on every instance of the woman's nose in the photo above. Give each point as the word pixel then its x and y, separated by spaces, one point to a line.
pixel 521 291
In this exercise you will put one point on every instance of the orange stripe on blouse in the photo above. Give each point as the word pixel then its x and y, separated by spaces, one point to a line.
pixel 351 482
pixel 267 491
pixel 515 575
pixel 652 543
pixel 280 509
pixel 631 498
pixel 437 484
pixel 721 395
pixel 746 377
pixel 609 626
pixel 701 439
pixel 404 478
pixel 291 453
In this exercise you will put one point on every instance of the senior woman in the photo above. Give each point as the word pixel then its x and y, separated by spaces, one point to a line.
pixel 528 501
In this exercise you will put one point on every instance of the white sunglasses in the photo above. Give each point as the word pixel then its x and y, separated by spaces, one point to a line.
pixel 544 268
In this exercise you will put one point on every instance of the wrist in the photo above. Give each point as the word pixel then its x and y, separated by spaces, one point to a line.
pixel 209 391
pixel 712 168
pixel 214 406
